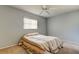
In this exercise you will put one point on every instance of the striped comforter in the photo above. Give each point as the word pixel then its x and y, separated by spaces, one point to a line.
pixel 48 43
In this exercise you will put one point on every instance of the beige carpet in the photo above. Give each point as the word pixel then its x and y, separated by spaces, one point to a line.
pixel 69 48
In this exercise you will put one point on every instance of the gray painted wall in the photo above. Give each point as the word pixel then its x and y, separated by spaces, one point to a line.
pixel 11 25
pixel 65 26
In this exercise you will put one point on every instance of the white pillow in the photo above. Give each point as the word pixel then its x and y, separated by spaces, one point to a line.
pixel 31 34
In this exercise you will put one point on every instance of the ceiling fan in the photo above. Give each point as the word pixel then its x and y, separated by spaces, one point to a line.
pixel 45 9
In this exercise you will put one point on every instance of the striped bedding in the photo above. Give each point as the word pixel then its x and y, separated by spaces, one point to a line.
pixel 46 43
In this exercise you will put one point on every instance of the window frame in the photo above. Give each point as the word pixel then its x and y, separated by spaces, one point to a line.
pixel 31 26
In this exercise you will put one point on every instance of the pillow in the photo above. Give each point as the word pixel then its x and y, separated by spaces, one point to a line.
pixel 31 34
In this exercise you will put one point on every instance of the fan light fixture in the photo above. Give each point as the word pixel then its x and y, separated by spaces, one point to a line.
pixel 44 9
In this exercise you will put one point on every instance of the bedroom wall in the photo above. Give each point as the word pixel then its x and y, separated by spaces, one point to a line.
pixel 65 26
pixel 11 25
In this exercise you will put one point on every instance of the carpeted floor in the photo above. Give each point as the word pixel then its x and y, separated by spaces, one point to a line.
pixel 69 48
pixel 13 50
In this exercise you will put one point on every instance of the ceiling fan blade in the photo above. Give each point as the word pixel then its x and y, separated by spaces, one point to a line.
pixel 52 9
pixel 47 12
pixel 44 7
pixel 41 12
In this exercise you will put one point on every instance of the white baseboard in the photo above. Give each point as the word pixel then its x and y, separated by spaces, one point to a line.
pixel 8 46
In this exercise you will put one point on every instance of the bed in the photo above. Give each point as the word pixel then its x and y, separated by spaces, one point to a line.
pixel 38 43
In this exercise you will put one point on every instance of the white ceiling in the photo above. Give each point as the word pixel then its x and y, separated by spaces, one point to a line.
pixel 53 9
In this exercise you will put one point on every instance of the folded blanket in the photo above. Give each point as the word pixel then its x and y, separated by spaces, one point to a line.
pixel 32 49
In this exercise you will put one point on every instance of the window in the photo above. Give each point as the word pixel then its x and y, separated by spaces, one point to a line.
pixel 30 23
